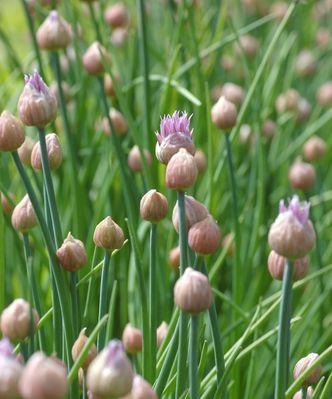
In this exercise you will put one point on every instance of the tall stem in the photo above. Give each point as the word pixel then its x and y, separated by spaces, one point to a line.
pixel 103 297
pixel 304 393
pixel 183 320
pixel 152 301
pixel 281 380
pixel 193 361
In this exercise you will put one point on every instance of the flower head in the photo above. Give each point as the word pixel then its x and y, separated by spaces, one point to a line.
pixel 174 133
pixel 6 348
pixel 300 211
pixel 35 81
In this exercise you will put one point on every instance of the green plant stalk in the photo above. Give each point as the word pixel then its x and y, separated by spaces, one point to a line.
pixel 281 376
pixel 103 296
pixel 304 393
pixel 89 291
pixel 111 312
pixel 95 23
pixel 327 391
pixel 193 360
pixel 182 349
pixel 2 263
pixel 152 301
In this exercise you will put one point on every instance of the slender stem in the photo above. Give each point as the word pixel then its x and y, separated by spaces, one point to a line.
pixel 103 297
pixel 193 360
pixel 152 301
pixel 95 23
pixel 182 349
pixel 281 380
pixel 304 392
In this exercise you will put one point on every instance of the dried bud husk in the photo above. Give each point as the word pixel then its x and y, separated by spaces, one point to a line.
pixel 224 114
pixel 24 152
pixel 174 258
pixel 153 206
pixel 200 160
pixel 204 237
pixel 116 15
pixel 135 159
pixel 72 255
pixel 54 33
pixel 192 292
pixel 181 171
pixel 78 347
pixel 110 374
pixel 94 59
pixel 6 204
pixel 303 364
pixel 276 265
pixel 194 212
pixel 314 149
pixel 108 234
pixel 162 331
pixel 132 339
pixel 44 378
pixel 11 132
pixel 16 320
pixel 23 216
pixel 302 175
pixel 54 152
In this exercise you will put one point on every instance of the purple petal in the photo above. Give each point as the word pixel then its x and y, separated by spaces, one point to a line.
pixel 174 124
pixel 300 211
pixel 36 82
pixel 6 347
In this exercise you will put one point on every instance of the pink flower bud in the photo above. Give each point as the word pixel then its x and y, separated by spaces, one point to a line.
pixel 162 331
pixel 119 36
pixel 109 86
pixel 204 237
pixel 314 149
pixel 54 88
pixel 110 374
pixel 11 371
pixel 279 9
pixel 249 45
pixel 135 159
pixel 302 175
pixel 287 102
pixel 78 347
pixel 72 255
pixel 228 63
pixel 116 15
pixel 43 378
pixel 305 64
pixel 324 94
pixel 15 320
pixel 200 160
pixel 11 132
pixel 192 292
pixel 247 137
pixel 24 152
pixel 233 93
pixel 23 216
pixel 181 171
pixel 54 33
pixel 94 59
pixel 292 234
pixel 153 206
pixel 108 235
pixel 303 364
pixel 54 152
pixel 132 339
pixel 269 128
pixel 7 206
pixel 323 37
pixel 276 264
pixel 141 390
pixel 37 106
pixel 303 110
pixel 194 212
pixel 174 134
pixel 174 258
pixel 119 123
pixel 310 393
pixel 224 114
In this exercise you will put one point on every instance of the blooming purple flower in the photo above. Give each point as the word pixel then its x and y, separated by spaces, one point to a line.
pixel 35 81
pixel 175 124
pixel 114 348
pixel 6 348
pixel 300 211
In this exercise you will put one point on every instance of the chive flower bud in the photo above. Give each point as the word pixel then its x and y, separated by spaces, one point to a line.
pixel 119 123
pixel 314 149
pixel 43 378
pixel 23 216
pixel 200 160
pixel 24 152
pixel 16 322
pixel 7 206
pixel 204 237
pixel 153 206
pixel 37 105
pixel 132 339
pixel 94 59
pixel 292 234
pixel 72 255
pixel 324 94
pixel 194 212
pixel 174 133
pixel 109 86
pixel 310 393
pixel 224 114
pixel 323 37
pixel 248 44
pixel 141 390
pixel 174 258
pixel 108 234
pixel 305 64
pixel 276 265
pixel 135 162
pixel 162 331
pixel 233 93
pixel 54 152
pixel 303 364
pixel 181 171
pixel 192 292
pixel 11 371
pixel 78 347
pixel 116 15
pixel 302 175
pixel 11 132
pixel 110 374
pixel 287 101
pixel 54 33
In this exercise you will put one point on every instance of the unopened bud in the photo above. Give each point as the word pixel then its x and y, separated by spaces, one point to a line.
pixel 310 393
pixel 302 175
pixel 174 258
pixel 323 37
pixel 135 159
pixel 200 160
pixel 276 265
pixel 162 331
pixel 204 237
pixel 94 59
pixel 194 212
pixel 269 129
pixel 24 152
pixel 7 205
pixel 116 15
pixel 153 206
pixel 78 347
pixel 305 64
pixel 324 94
pixel 233 93
pixel 224 114
pixel 11 371
pixel 119 36
pixel 109 86
pixel 16 321
pixel 132 339
pixel 303 364
pixel 181 171
pixel 108 234
pixel 11 132
pixel 141 390
pixel 249 45
pixel 23 216
pixel 72 255
pixel 54 33
pixel 314 149
pixel 54 152
pixel 287 102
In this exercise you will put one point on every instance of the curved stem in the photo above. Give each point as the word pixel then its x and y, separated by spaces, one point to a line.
pixel 193 361
pixel 281 377
pixel 152 301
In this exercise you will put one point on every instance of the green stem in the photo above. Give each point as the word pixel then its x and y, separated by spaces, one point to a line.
pixel 103 297
pixel 182 349
pixel 281 380
pixel 95 23
pixel 193 361
pixel 152 301
pixel 304 392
